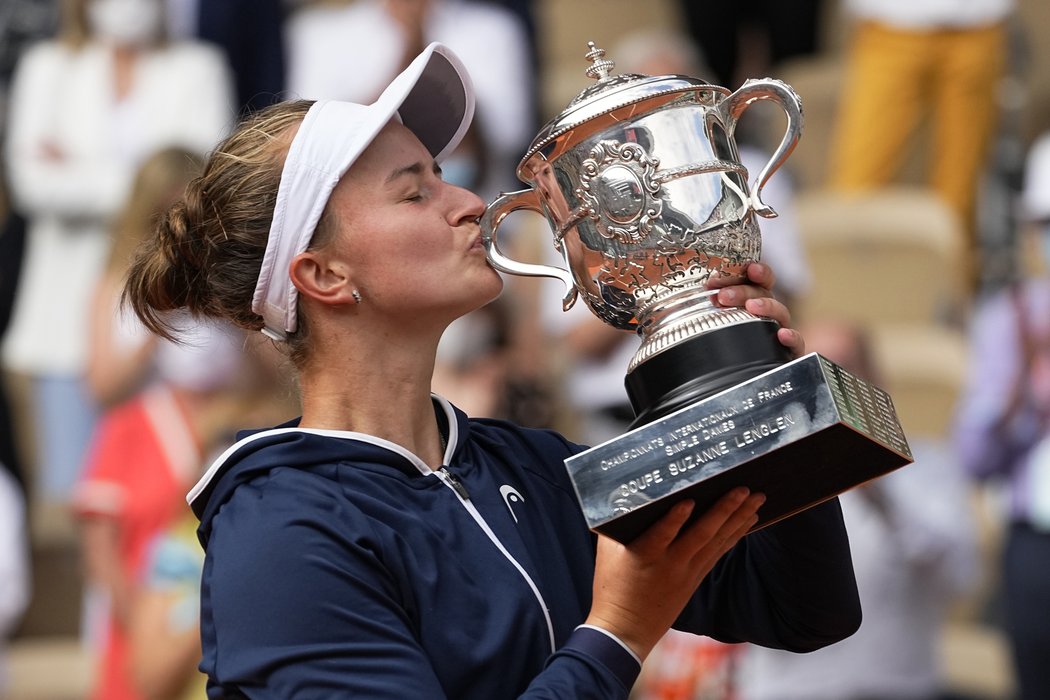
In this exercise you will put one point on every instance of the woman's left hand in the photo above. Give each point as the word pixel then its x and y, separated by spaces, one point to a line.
pixel 756 297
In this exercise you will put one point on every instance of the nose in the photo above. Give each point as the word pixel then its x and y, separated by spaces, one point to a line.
pixel 468 206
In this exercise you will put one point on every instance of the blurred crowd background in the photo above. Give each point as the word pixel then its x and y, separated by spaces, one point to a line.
pixel 912 245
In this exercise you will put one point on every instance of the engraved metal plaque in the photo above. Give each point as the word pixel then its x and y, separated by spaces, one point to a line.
pixel 801 434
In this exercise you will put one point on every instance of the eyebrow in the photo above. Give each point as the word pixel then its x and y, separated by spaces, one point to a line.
pixel 416 168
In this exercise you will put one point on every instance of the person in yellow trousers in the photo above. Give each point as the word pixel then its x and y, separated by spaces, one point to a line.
pixel 910 60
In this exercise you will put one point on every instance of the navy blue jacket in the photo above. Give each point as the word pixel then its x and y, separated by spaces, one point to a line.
pixel 340 565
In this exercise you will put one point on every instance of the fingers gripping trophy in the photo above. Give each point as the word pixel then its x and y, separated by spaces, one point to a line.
pixel 640 181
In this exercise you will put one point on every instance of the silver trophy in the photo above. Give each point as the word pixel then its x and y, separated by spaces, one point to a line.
pixel 641 183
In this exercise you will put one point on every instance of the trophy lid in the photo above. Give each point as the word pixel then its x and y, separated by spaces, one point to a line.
pixel 609 94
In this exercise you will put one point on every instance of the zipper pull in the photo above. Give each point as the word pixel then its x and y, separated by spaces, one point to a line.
pixel 455 483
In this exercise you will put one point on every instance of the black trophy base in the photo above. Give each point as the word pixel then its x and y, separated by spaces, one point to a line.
pixel 701 366
pixel 800 433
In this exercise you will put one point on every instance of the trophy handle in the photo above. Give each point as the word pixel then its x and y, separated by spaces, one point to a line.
pixel 776 91
pixel 490 221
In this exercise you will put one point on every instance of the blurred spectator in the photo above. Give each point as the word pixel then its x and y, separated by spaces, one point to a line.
pixel 1003 433
pixel 14 562
pixel 164 627
pixel 686 666
pixel 146 454
pixel 85 109
pixel 350 51
pixel 914 550
pixel 22 22
pixel 149 445
pixel 12 243
pixel 598 353
pixel 910 60
pixel 121 356
pixel 745 39
pixel 164 612
pixel 14 537
pixel 250 33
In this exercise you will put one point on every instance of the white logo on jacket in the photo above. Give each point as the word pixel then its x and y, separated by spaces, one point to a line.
pixel 510 497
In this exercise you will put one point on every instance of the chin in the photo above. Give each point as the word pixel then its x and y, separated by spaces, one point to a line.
pixel 494 285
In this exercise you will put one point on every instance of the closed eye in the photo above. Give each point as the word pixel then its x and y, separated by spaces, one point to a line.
pixel 415 176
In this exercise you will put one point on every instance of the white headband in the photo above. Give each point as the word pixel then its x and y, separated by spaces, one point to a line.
pixel 433 97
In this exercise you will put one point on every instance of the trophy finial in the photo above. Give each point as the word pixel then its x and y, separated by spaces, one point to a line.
pixel 599 69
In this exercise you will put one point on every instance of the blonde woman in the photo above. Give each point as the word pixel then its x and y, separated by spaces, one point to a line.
pixel 120 358
pixel 86 109
pixel 165 406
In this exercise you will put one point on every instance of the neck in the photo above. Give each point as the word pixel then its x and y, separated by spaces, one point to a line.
pixel 124 58
pixel 380 389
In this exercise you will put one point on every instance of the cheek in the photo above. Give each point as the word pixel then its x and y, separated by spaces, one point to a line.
pixel 372 244
pixel 428 232
pixel 391 249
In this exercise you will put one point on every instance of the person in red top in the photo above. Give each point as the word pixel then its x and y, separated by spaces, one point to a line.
pixel 164 405
pixel 145 455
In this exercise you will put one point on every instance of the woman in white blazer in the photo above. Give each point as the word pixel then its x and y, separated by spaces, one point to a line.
pixel 85 110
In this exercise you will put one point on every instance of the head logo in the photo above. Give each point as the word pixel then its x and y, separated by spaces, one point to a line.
pixel 511 497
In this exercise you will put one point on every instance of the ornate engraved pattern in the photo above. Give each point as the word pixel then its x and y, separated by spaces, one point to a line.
pixel 620 191
pixel 738 242
pixel 708 166
pixel 688 327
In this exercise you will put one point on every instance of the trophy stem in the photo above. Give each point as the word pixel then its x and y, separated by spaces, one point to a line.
pixel 702 366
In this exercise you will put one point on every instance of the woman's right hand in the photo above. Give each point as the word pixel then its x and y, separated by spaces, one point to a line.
pixel 640 588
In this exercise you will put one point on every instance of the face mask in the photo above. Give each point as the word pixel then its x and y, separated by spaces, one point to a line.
pixel 126 22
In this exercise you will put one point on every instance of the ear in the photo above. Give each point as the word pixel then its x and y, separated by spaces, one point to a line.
pixel 322 278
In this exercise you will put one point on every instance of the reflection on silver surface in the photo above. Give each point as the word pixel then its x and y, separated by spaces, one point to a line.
pixel 641 182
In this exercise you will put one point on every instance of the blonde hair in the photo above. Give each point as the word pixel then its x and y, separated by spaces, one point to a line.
pixel 73 28
pixel 204 255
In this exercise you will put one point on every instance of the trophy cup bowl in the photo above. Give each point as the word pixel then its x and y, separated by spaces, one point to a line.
pixel 640 181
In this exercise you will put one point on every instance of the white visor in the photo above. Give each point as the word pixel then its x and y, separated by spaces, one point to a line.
pixel 433 97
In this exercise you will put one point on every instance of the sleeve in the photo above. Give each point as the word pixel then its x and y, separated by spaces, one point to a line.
pixel 102 489
pixel 297 602
pixel 788 586
pixel 987 446
pixel 71 187
pixel 174 567
pixel 591 665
